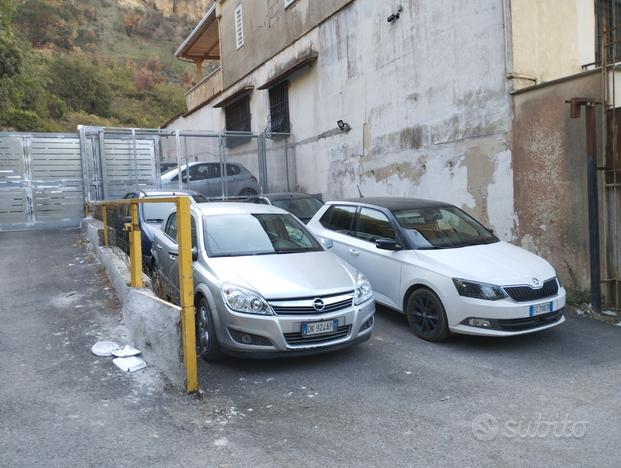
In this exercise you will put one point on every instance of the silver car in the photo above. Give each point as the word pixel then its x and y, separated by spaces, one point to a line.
pixel 264 285
pixel 205 178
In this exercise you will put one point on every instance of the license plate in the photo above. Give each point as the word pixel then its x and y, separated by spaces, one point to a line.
pixel 539 309
pixel 318 328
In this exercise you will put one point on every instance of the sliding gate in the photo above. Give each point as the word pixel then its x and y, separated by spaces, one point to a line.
pixel 41 182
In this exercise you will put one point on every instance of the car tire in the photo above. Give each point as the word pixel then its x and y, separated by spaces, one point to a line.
pixel 206 341
pixel 426 315
pixel 248 193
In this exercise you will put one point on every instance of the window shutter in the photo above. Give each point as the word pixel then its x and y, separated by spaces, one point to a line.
pixel 239 27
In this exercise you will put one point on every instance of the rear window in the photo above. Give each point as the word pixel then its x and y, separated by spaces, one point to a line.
pixel 339 218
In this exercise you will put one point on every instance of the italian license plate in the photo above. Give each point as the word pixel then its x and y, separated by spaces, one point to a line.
pixel 539 309
pixel 319 328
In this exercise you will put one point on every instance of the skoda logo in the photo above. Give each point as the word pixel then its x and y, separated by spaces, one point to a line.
pixel 535 282
pixel 318 305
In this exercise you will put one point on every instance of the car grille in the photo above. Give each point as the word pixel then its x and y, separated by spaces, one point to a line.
pixel 526 293
pixel 527 323
pixel 304 306
pixel 296 338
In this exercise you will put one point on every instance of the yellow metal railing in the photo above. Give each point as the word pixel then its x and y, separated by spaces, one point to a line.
pixel 186 282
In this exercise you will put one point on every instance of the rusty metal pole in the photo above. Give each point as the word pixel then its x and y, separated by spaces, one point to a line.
pixel 593 204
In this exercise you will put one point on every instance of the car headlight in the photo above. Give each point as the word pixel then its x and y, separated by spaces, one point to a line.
pixel 478 290
pixel 244 300
pixel 363 291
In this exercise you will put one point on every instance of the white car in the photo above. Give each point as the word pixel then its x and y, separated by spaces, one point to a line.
pixel 442 268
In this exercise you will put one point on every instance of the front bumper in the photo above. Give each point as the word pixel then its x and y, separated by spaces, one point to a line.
pixel 280 335
pixel 506 317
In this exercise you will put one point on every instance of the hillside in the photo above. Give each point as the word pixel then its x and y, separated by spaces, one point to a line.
pixel 93 62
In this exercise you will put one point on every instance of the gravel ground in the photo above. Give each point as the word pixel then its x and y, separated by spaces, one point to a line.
pixel 544 399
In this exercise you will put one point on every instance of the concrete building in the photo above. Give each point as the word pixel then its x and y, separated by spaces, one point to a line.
pixel 433 97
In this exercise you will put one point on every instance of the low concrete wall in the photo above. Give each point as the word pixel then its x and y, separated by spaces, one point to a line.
pixel 154 325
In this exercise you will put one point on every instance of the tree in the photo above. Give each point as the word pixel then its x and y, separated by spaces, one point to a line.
pixel 10 58
pixel 7 8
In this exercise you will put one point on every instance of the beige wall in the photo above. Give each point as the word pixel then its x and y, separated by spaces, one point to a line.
pixel 550 39
pixel 268 28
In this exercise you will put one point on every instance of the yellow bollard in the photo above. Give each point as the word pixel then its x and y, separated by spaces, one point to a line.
pixel 135 250
pixel 104 218
pixel 186 289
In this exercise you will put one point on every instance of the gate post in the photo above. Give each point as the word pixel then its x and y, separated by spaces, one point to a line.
pixel 186 292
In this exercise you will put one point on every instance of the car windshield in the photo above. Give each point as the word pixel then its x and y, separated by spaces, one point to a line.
pixel 256 234
pixel 442 228
pixel 303 207
pixel 157 212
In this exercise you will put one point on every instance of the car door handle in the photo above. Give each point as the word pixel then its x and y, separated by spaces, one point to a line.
pixel 354 252
pixel 173 255
pixel 159 246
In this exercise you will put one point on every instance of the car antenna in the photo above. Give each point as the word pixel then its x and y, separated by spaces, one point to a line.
pixel 359 192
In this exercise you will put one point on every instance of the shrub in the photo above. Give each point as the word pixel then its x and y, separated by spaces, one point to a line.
pixel 80 85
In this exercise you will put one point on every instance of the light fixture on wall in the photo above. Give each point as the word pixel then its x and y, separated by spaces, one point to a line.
pixel 343 126
pixel 395 16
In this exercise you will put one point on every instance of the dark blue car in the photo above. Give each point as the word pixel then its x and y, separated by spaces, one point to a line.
pixel 151 216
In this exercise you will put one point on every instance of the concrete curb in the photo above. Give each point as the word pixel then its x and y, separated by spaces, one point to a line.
pixel 154 325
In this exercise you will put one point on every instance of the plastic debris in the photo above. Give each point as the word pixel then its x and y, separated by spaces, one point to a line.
pixel 104 348
pixel 445 398
pixel 129 364
pixel 126 351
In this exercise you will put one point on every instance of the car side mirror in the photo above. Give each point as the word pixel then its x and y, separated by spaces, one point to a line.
pixel 327 243
pixel 387 244
pixel 194 254
pixel 491 231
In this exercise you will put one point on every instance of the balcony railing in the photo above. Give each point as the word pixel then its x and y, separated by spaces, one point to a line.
pixel 204 90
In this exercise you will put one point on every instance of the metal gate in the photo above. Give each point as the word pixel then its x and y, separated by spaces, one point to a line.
pixel 46 177
pixel 41 182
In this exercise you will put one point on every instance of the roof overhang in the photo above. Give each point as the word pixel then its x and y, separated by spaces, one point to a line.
pixel 306 59
pixel 240 93
pixel 203 43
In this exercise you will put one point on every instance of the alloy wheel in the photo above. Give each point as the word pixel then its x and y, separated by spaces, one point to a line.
pixel 425 315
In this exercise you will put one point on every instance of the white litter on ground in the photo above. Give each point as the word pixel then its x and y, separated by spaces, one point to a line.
pixel 104 348
pixel 130 364
pixel 126 351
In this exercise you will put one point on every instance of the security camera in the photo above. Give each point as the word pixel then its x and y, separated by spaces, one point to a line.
pixel 395 16
pixel 343 126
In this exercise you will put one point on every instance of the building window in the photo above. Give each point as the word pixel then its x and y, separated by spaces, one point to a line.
pixel 607 25
pixel 239 27
pixel 279 108
pixel 237 117
pixel 288 2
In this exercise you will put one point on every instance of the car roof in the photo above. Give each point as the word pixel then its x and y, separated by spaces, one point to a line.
pixel 165 193
pixel 392 203
pixel 285 195
pixel 219 208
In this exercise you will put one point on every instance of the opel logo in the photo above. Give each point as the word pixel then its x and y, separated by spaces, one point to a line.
pixel 535 282
pixel 318 305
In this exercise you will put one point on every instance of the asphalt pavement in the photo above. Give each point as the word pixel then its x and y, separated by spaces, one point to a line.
pixel 550 398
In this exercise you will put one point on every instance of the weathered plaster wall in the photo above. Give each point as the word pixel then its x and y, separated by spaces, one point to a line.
pixel 268 24
pixel 549 170
pixel 426 97
pixel 551 39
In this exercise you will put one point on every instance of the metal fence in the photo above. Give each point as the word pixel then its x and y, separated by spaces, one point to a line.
pixel 46 178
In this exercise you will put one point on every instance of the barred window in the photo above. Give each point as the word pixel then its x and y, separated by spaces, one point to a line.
pixel 237 116
pixel 279 108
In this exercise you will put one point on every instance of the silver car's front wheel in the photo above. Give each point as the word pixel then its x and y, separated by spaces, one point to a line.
pixel 206 341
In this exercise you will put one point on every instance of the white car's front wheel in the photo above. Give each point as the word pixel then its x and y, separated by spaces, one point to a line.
pixel 426 315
